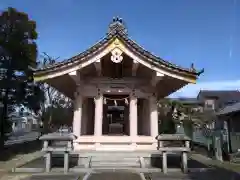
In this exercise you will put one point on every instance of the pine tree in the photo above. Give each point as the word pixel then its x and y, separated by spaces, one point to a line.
pixel 18 54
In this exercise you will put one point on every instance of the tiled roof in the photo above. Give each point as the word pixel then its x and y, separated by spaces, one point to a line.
pixel 187 100
pixel 220 94
pixel 117 30
pixel 229 109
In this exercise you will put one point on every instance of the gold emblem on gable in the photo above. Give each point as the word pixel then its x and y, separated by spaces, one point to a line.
pixel 116 42
pixel 116 56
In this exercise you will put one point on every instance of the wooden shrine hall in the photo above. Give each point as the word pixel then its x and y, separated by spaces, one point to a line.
pixel 115 85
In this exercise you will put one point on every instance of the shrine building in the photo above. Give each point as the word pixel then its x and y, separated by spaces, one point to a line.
pixel 115 85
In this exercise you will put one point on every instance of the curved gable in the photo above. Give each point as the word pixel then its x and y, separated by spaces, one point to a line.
pixel 117 38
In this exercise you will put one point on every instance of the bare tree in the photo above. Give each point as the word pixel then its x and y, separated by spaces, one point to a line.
pixel 45 111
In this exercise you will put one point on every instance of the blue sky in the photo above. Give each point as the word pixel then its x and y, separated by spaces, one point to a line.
pixel 205 32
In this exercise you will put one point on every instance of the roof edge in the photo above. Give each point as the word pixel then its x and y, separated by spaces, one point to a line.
pixel 108 39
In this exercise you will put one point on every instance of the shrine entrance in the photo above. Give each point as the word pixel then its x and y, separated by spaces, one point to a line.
pixel 115 85
pixel 116 115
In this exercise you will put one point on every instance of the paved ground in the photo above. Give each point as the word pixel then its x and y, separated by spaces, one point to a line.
pixel 213 175
pixel 218 171
pixel 210 174
pixel 115 176
pixel 43 177
pixel 214 163
pixel 5 167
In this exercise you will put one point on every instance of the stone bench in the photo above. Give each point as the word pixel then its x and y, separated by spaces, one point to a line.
pixel 48 139
pixel 165 150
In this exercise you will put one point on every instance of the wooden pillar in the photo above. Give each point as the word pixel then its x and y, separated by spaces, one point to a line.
pixel 77 117
pixel 133 115
pixel 153 116
pixel 98 115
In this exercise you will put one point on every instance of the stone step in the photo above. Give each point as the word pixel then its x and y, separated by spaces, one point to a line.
pixel 115 175
pixel 118 153
pixel 115 161
pixel 114 158
pixel 114 164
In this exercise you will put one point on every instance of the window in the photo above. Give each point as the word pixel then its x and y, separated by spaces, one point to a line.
pixel 209 104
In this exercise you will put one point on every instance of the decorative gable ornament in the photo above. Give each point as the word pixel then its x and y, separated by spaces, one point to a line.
pixel 117 26
pixel 116 55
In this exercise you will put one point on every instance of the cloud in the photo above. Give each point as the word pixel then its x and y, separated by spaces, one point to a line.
pixel 193 89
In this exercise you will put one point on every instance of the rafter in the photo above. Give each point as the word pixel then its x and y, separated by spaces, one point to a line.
pixel 98 67
pixel 75 75
pixel 135 66
pixel 156 77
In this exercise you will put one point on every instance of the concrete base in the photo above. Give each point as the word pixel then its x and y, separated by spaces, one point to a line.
pixel 116 159
pixel 115 143
pixel 97 170
pixel 89 161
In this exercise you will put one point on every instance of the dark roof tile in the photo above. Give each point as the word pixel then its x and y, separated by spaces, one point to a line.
pixel 219 93
pixel 118 32
pixel 229 109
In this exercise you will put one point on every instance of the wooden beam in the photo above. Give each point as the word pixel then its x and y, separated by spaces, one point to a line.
pixel 156 77
pixel 125 80
pixel 135 66
pixel 75 75
pixel 98 67
pixel 91 90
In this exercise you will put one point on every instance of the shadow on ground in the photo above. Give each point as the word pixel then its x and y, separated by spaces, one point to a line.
pixel 197 170
pixel 174 161
pixel 201 149
pixel 57 162
pixel 211 174
pixel 215 173
pixel 19 149
pixel 156 162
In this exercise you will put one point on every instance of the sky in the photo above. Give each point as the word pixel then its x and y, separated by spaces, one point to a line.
pixel 203 32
